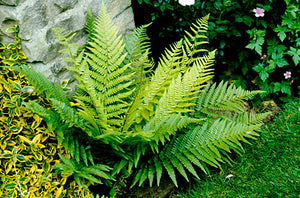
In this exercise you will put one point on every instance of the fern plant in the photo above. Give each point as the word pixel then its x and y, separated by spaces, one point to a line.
pixel 128 119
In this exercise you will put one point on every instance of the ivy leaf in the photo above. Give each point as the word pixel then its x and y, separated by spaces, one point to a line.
pixel 281 62
pixel 279 49
pixel 284 87
pixel 256 45
pixel 288 21
pixel 272 64
pixel 262 71
pixel 277 87
pixel 281 32
pixel 295 55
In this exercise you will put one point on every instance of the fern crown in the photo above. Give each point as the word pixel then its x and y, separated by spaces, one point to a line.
pixel 144 120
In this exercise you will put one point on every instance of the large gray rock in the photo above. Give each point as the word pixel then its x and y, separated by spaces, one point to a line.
pixel 36 18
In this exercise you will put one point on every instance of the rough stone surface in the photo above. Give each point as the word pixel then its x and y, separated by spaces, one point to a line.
pixel 36 18
pixel 9 2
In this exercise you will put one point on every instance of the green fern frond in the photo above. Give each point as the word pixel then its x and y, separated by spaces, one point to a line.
pixel 64 38
pixel 42 85
pixel 250 118
pixel 167 69
pixel 52 118
pixel 70 116
pixel 130 117
pixel 194 39
pixel 163 130
pixel 151 123
pixel 137 43
pixel 223 97
pixel 137 47
pixel 158 82
pixel 168 87
pixel 95 173
pixel 204 144
pixel 104 85
pixel 90 25
pixel 182 88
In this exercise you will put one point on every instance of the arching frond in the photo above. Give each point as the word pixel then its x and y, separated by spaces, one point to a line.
pixel 194 40
pixel 182 90
pixel 90 23
pixel 205 144
pixel 223 97
pixel 104 83
pixel 42 85
pixel 137 43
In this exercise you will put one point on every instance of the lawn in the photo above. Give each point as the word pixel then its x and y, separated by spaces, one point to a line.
pixel 269 167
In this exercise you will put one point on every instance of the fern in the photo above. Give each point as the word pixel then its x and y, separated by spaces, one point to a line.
pixel 103 88
pixel 42 85
pixel 137 43
pixel 90 24
pixel 139 121
pixel 92 173
pixel 203 144
pixel 137 47
pixel 223 97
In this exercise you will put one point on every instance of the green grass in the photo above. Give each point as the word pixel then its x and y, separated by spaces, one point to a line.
pixel 269 167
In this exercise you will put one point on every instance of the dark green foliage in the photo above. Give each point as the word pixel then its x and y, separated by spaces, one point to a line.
pixel 140 123
pixel 253 52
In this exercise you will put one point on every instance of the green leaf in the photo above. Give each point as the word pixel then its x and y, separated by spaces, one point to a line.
pixel 90 157
pixel 83 155
pixel 11 30
pixel 285 88
pixel 10 186
pixel 2 45
pixel 262 71
pixel 20 157
pixel 170 170
pixel 151 174
pixel 159 169
pixel 281 32
pixel 256 46
pixel 295 53
pixel 277 87
pixel 90 177
pixel 143 176
pixel 281 62
pixel 11 46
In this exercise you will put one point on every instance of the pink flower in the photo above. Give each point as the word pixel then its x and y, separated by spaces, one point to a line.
pixel 228 176
pixel 287 75
pixel 259 12
pixel 29 90
pixel 299 108
pixel 263 57
pixel 248 132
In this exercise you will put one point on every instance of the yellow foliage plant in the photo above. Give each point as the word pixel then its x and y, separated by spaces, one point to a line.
pixel 28 150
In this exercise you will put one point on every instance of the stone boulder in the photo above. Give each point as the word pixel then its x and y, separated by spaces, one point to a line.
pixel 36 18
